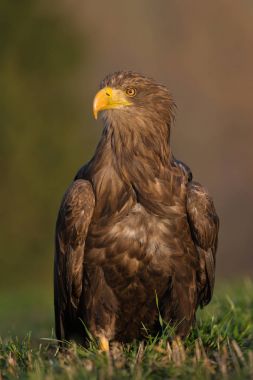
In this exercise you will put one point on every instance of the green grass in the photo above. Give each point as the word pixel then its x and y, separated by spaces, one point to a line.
pixel 221 346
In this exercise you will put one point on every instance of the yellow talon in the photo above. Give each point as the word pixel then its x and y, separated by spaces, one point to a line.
pixel 104 344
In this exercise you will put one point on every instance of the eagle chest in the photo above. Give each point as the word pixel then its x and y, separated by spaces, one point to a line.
pixel 133 254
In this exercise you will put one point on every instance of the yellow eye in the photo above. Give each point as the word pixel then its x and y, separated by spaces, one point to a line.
pixel 131 91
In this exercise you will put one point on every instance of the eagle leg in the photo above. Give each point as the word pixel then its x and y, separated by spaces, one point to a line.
pixel 179 305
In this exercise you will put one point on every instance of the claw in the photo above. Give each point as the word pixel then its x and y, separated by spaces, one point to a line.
pixel 104 344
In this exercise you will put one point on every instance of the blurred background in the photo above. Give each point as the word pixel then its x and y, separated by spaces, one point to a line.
pixel 52 58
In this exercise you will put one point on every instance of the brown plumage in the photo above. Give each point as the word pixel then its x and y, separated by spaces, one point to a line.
pixel 133 225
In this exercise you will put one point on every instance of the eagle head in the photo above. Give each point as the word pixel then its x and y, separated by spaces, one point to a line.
pixel 131 96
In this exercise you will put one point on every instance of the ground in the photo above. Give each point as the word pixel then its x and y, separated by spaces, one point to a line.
pixel 220 346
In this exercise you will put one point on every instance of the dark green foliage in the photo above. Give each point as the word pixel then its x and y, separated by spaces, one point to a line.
pixel 221 346
pixel 40 119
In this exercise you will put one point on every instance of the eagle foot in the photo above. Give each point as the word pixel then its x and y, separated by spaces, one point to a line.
pixel 103 344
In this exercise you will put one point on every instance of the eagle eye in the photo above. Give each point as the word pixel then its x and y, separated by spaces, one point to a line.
pixel 130 91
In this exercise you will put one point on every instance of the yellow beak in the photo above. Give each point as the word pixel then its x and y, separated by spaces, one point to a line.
pixel 109 98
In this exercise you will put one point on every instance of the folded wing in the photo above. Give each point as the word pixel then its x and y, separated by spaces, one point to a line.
pixel 72 225
pixel 204 225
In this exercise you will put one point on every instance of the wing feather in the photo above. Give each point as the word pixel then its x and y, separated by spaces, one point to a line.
pixel 204 225
pixel 72 225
